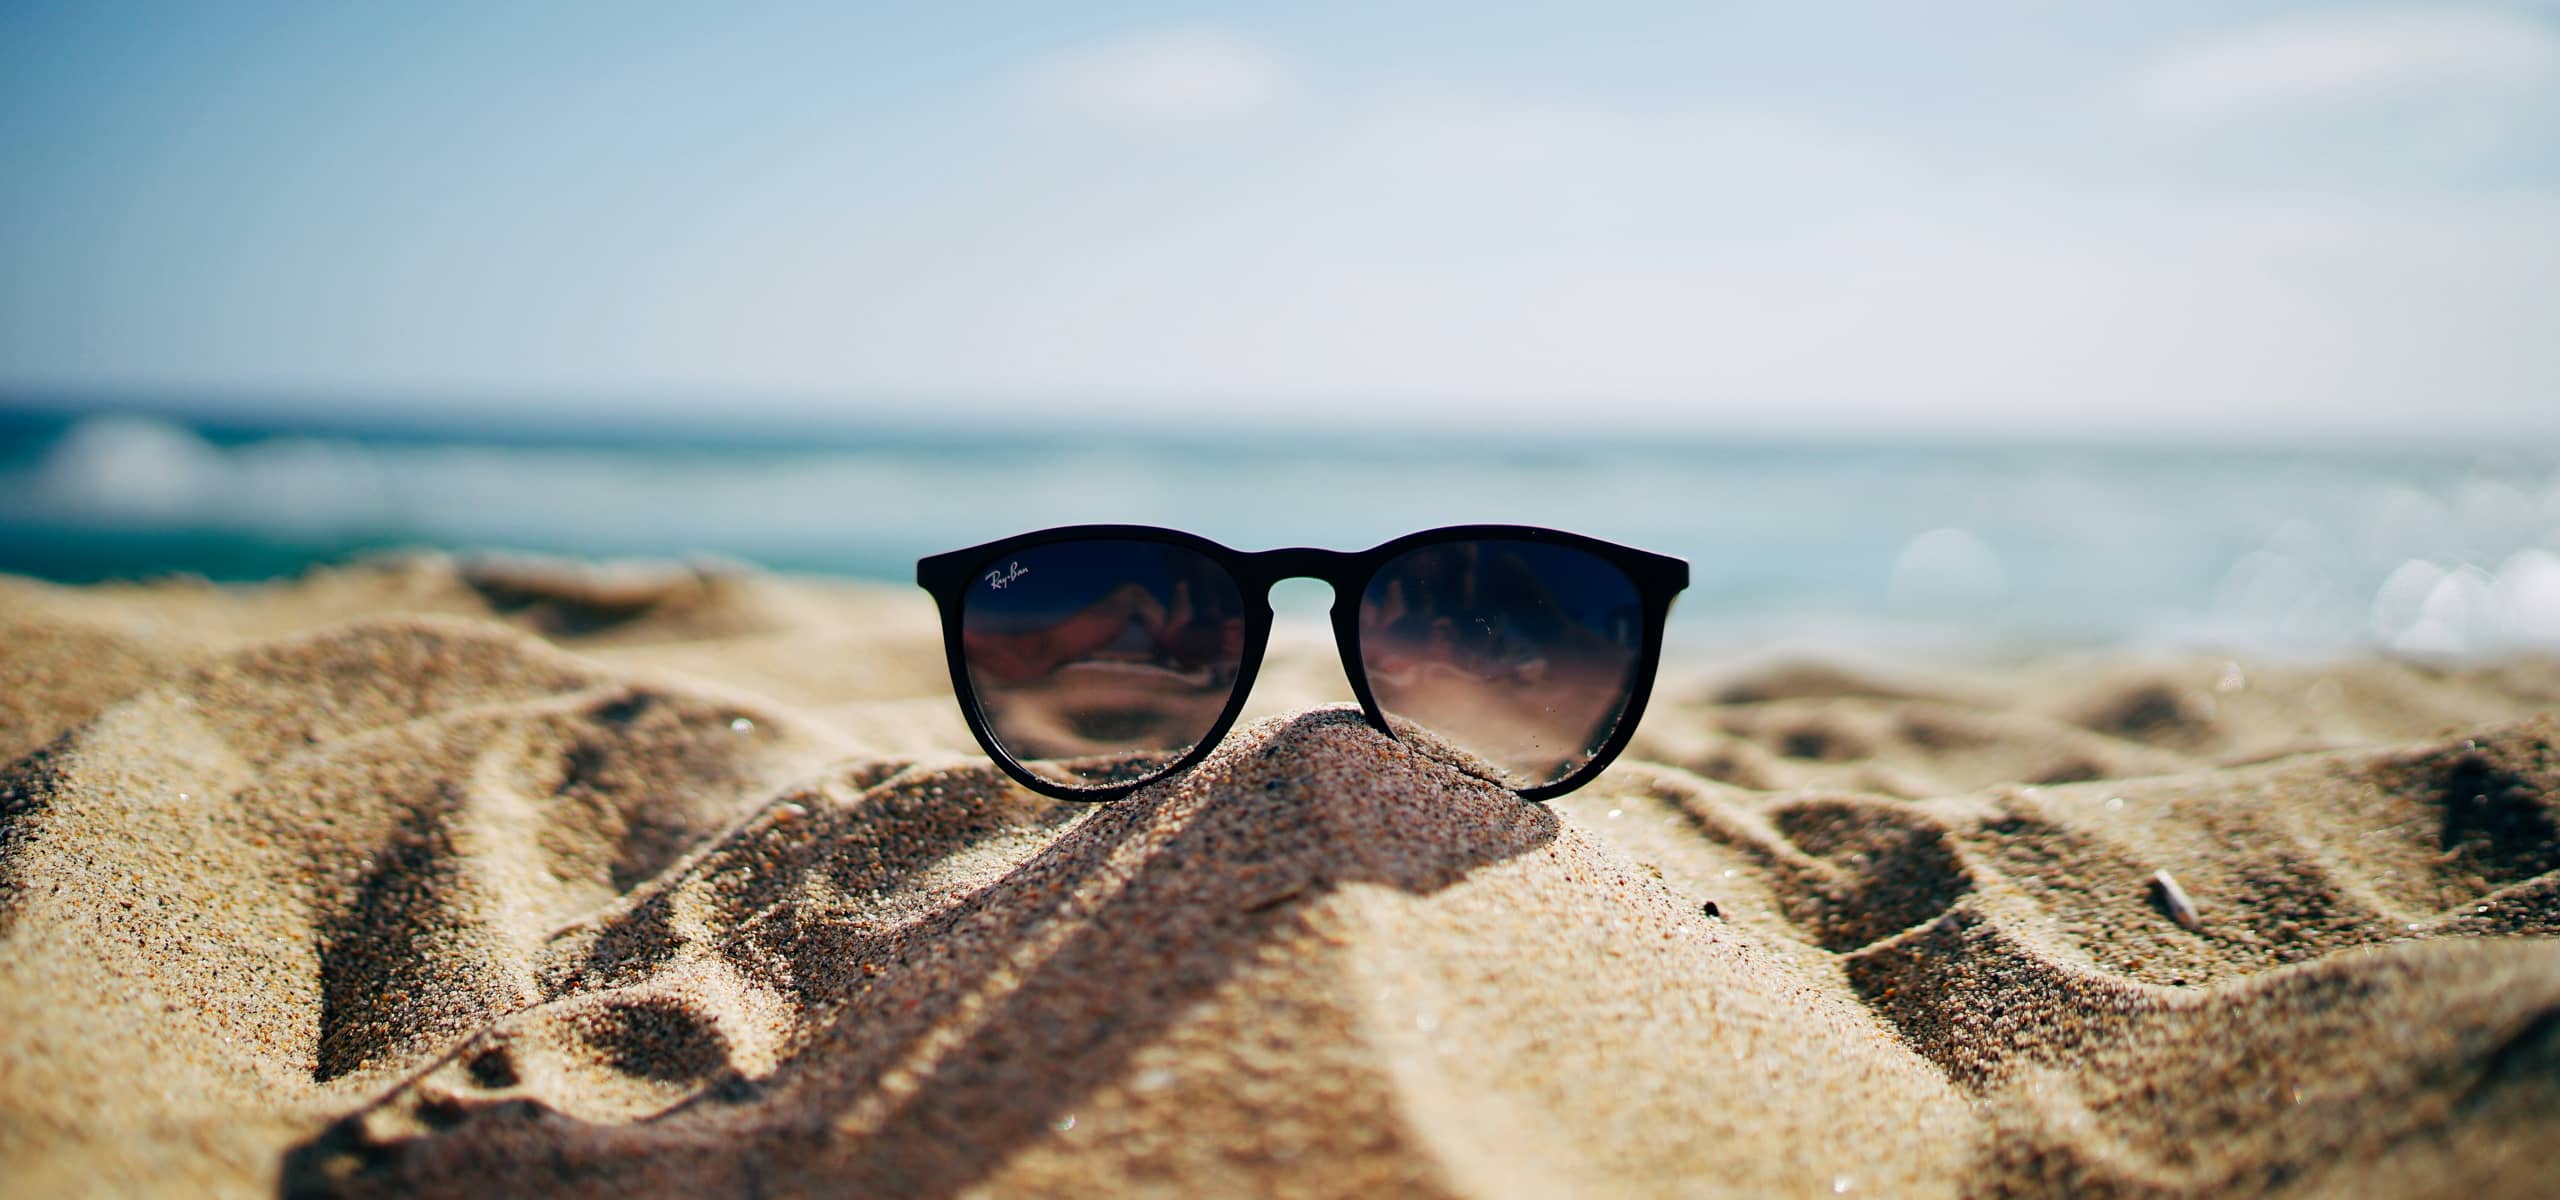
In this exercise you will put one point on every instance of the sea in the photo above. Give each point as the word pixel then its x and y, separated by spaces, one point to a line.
pixel 2432 550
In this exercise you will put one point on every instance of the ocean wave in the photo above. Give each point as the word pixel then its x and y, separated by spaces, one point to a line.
pixel 2300 551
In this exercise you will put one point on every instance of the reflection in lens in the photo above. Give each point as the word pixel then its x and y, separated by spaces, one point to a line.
pixel 1520 654
pixel 1102 662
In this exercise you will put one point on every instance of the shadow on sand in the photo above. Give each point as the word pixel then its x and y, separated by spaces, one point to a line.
pixel 921 1050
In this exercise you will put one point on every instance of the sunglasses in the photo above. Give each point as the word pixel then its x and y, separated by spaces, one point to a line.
pixel 1093 660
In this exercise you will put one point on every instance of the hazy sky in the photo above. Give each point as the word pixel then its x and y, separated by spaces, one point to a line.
pixel 2164 215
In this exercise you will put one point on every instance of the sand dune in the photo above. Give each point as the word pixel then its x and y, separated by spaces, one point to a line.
pixel 426 878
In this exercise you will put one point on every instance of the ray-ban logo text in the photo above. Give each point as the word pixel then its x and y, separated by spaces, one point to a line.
pixel 1012 571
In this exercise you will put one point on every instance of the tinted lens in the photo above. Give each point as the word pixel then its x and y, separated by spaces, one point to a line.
pixel 1520 654
pixel 1102 662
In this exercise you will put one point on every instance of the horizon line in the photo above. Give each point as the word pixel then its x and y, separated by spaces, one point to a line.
pixel 710 416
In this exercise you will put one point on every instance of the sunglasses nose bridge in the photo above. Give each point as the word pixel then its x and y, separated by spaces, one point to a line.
pixel 1337 571
pixel 1302 562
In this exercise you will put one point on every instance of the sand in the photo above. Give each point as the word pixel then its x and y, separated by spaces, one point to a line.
pixel 430 878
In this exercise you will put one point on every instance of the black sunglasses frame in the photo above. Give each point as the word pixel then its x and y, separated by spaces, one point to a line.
pixel 1657 578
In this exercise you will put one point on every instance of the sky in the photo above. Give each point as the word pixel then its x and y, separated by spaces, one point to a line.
pixel 2176 216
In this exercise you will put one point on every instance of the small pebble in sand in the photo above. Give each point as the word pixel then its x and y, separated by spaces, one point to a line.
pixel 1276 897
pixel 742 725
pixel 1711 910
pixel 2173 899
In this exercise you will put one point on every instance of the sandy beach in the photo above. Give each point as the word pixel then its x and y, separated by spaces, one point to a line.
pixel 421 877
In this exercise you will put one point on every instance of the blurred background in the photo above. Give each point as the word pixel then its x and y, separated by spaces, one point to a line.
pixel 1982 323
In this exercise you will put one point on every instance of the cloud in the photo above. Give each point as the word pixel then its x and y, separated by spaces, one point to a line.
pixel 1166 81
pixel 2336 60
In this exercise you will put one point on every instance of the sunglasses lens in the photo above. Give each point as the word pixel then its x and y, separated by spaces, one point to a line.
pixel 1520 654
pixel 1102 662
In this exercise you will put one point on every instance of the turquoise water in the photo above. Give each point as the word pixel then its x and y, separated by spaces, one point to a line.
pixel 2270 550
